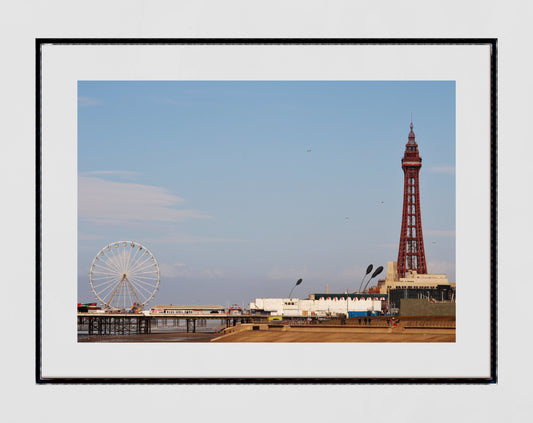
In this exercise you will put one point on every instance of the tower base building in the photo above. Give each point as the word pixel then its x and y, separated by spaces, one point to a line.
pixel 433 287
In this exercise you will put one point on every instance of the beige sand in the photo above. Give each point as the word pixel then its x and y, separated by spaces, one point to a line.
pixel 325 334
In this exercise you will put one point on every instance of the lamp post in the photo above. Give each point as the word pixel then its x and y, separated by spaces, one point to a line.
pixel 368 270
pixel 298 282
pixel 376 272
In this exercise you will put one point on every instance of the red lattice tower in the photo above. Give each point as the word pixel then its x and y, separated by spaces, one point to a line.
pixel 411 255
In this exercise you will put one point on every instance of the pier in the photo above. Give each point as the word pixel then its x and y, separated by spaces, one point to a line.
pixel 132 323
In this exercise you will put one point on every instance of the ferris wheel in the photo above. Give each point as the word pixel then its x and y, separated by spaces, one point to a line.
pixel 123 274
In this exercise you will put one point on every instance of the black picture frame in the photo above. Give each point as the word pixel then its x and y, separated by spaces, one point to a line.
pixel 492 42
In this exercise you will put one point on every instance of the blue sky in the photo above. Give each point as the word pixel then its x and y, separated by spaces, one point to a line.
pixel 241 188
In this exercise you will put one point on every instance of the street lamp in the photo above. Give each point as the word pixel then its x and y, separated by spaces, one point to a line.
pixel 368 270
pixel 298 282
pixel 376 272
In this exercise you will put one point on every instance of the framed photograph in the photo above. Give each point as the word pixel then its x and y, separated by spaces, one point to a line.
pixel 188 188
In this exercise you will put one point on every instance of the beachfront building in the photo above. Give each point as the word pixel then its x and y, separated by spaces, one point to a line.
pixel 412 280
pixel 432 287
pixel 320 305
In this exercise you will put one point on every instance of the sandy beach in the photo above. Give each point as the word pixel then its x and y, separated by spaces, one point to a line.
pixel 246 333
pixel 336 337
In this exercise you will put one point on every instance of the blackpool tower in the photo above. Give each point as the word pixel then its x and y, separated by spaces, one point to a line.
pixel 411 255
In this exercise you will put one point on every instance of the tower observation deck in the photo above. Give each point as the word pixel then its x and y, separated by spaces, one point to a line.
pixel 411 255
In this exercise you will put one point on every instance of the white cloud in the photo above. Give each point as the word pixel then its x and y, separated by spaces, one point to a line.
pixel 88 101
pixel 172 270
pixel 102 200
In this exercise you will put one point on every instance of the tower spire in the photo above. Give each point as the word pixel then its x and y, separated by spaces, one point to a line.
pixel 412 135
